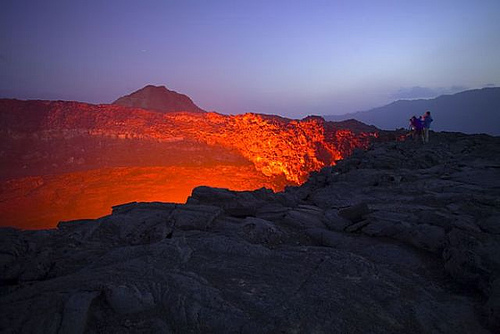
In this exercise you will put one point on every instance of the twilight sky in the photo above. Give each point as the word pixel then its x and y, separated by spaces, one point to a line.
pixel 291 58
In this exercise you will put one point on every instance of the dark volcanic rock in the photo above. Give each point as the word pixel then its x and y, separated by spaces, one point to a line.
pixel 355 213
pixel 158 98
pixel 408 243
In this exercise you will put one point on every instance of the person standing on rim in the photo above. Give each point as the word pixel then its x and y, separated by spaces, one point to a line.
pixel 427 120
pixel 416 126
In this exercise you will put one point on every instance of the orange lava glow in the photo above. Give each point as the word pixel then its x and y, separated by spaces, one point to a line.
pixel 69 160
pixel 42 201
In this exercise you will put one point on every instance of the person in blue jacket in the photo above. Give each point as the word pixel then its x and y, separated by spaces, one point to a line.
pixel 426 124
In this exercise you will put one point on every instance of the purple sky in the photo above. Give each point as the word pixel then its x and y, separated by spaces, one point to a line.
pixel 292 58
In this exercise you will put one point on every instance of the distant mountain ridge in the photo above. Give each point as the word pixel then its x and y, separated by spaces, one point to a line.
pixel 472 111
pixel 158 98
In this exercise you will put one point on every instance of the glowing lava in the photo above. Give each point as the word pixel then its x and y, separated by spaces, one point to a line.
pixel 68 160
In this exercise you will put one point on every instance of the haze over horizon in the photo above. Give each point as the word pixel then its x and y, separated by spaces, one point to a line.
pixel 275 57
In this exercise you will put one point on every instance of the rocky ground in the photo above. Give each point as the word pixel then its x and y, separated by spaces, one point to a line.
pixel 404 237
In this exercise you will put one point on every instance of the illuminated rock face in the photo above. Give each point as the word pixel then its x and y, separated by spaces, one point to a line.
pixel 57 142
pixel 278 146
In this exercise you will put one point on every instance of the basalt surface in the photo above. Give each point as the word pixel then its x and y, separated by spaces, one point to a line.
pixel 403 237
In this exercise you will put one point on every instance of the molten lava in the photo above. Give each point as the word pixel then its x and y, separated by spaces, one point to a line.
pixel 69 160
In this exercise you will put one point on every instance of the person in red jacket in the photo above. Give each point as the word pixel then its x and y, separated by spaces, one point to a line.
pixel 416 127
